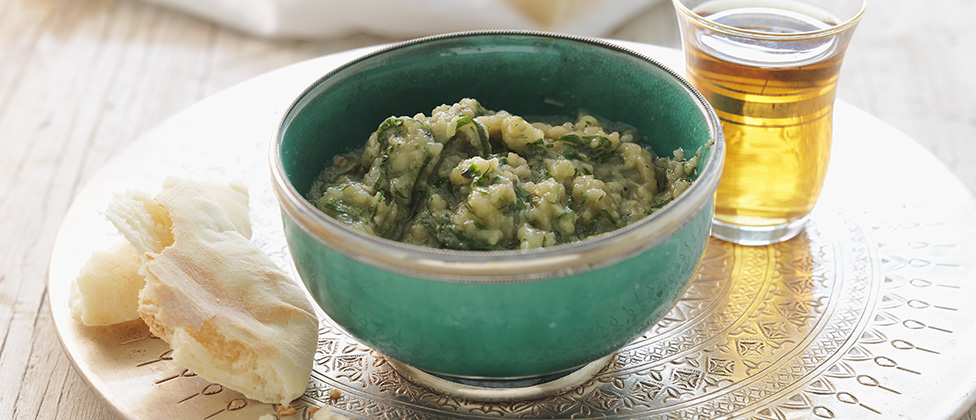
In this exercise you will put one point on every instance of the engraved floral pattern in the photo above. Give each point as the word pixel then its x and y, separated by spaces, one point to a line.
pixel 829 325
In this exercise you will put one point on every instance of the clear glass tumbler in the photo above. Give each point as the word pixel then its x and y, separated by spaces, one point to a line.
pixel 769 68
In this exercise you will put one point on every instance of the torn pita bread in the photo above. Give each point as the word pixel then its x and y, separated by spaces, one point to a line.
pixel 232 198
pixel 229 313
pixel 106 291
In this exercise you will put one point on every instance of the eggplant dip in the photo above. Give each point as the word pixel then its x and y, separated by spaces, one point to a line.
pixel 467 178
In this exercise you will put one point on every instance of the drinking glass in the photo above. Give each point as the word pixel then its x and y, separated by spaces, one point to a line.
pixel 769 68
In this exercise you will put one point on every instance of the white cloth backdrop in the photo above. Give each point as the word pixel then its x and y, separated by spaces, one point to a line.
pixel 317 19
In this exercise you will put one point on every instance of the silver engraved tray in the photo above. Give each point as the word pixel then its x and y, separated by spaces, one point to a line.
pixel 867 314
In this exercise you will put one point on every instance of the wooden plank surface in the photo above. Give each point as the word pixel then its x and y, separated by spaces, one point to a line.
pixel 80 79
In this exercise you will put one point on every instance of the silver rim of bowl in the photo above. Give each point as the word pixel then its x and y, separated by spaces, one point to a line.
pixel 503 266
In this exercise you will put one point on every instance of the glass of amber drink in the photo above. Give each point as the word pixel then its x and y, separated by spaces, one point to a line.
pixel 769 68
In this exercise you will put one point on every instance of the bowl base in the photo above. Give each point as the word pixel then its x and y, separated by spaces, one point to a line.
pixel 503 389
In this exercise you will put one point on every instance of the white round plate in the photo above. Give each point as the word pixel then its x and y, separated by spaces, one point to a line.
pixel 867 314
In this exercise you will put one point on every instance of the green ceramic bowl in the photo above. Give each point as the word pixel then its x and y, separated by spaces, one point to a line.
pixel 497 314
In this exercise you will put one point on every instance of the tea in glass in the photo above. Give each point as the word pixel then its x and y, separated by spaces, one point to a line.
pixel 769 69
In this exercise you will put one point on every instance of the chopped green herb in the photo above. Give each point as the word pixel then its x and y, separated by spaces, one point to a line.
pixel 378 185
pixel 610 218
pixel 572 139
pixel 658 206
pixel 521 198
pixel 572 153
pixel 471 172
pixel 386 128
pixel 339 207
pixel 479 130
pixel 420 173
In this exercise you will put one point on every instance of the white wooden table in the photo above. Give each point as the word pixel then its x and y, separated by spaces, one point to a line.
pixel 80 79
